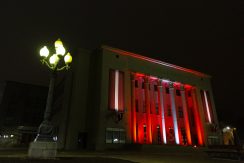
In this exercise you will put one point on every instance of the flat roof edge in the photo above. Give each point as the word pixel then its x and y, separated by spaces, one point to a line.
pixel 141 57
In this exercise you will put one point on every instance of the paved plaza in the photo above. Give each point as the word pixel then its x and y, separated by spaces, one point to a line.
pixel 146 156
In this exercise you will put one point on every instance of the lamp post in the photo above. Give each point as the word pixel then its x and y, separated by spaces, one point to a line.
pixel 55 63
pixel 44 145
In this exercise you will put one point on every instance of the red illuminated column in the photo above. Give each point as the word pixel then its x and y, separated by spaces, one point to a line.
pixel 185 112
pixel 162 110
pixel 133 108
pixel 147 93
pixel 152 101
pixel 174 114
pixel 141 96
pixel 198 123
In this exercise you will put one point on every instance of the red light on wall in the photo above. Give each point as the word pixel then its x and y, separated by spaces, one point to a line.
pixel 139 75
pixel 187 86
pixel 148 123
pixel 199 127
pixel 133 112
pixel 177 84
pixel 153 78
pixel 122 52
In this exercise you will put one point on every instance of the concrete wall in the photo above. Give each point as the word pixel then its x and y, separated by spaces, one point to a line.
pixel 87 109
pixel 72 118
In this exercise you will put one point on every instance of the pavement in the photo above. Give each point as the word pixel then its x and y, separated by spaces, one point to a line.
pixel 115 156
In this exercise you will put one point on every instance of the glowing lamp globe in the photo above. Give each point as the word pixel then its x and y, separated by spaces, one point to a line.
pixel 60 50
pixel 58 43
pixel 44 52
pixel 53 59
pixel 68 58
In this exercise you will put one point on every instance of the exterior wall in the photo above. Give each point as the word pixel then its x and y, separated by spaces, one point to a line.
pixel 88 110
pixel 78 104
pixel 70 119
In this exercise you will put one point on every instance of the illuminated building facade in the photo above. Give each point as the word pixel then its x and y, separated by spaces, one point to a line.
pixel 113 98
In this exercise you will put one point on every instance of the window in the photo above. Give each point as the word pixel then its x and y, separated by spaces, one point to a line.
pixel 159 135
pixel 156 107
pixel 180 112
pixel 116 90
pixel 191 116
pixel 109 136
pixel 137 106
pixel 177 92
pixel 143 102
pixel 155 88
pixel 143 85
pixel 171 136
pixel 150 107
pixel 168 111
pixel 183 134
pixel 136 83
pixel 145 132
pixel 167 90
pixel 189 93
pixel 115 136
pixel 137 131
pixel 156 101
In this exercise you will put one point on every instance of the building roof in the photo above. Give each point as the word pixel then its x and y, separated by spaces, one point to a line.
pixel 141 57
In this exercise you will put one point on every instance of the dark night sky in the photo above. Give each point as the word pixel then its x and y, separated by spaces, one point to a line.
pixel 205 35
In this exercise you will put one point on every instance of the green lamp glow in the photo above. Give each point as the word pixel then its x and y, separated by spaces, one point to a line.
pixel 60 50
pixel 58 43
pixel 53 59
pixel 68 58
pixel 44 52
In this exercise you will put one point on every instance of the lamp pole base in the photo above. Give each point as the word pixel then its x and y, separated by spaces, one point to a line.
pixel 42 149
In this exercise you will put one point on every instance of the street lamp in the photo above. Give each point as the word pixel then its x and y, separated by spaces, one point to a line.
pixel 58 61
pixel 54 63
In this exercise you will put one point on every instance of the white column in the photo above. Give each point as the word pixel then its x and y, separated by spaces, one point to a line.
pixel 161 98
pixel 173 108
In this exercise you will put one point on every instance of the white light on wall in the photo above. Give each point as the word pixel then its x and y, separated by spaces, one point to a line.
pixel 55 138
pixel 166 81
pixel 172 98
pixel 116 100
pixel 163 118
pixel 207 107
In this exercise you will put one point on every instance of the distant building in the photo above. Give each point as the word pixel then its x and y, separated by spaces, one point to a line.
pixel 21 110
pixel 112 98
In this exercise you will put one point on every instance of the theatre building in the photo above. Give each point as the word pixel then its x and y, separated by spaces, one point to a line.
pixel 112 98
